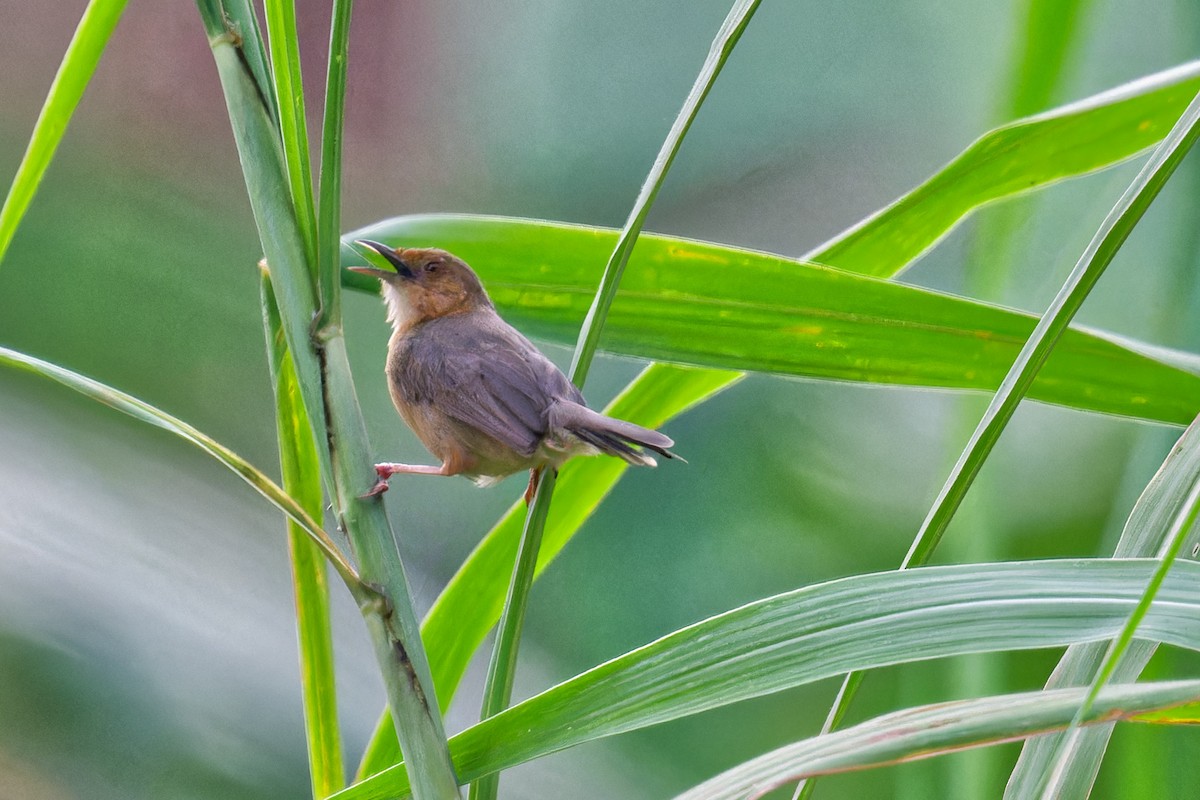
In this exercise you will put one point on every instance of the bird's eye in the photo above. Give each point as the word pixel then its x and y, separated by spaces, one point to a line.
pixel 431 266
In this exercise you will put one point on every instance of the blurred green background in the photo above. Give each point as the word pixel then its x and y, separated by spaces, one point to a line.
pixel 147 645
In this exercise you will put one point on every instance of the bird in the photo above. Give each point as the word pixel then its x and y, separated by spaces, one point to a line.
pixel 477 393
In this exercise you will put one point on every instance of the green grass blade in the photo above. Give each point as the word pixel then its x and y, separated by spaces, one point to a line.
pixel 934 730
pixel 1013 159
pixel 678 304
pixel 1162 501
pixel 302 480
pixel 329 220
pixel 293 126
pixel 79 63
pixel 726 39
pixel 139 410
pixel 501 669
pixel 471 603
pixel 813 633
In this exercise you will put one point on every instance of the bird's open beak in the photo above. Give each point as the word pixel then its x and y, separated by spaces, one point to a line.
pixel 392 257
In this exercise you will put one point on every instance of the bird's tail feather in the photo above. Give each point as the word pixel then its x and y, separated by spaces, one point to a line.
pixel 612 436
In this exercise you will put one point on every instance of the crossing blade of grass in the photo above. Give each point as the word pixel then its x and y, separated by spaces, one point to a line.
pixel 79 63
pixel 934 730
pixel 302 480
pixel 1096 257
pixel 1143 536
pixel 814 633
pixel 501 669
pixel 139 410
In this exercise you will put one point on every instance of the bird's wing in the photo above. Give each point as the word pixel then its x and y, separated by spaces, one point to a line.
pixel 486 376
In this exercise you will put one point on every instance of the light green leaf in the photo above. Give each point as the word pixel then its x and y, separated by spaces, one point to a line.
pixel 855 623
pixel 1013 159
pixel 935 730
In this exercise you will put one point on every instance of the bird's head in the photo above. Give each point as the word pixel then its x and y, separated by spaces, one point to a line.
pixel 424 284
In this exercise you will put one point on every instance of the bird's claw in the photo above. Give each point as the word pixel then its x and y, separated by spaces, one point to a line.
pixel 379 488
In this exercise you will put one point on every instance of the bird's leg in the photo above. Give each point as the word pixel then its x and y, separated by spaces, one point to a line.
pixel 535 475
pixel 387 470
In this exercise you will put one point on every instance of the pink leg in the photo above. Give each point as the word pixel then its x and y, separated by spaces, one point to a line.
pixel 387 470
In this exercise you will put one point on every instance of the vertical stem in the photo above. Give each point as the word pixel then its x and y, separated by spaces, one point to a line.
pixel 301 479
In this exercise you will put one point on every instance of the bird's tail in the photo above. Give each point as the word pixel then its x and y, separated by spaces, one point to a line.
pixel 612 436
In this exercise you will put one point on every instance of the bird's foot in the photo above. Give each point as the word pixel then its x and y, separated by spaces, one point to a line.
pixel 379 488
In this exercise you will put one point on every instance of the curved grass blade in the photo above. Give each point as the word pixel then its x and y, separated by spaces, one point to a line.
pixel 1143 536
pixel 497 690
pixel 1014 159
pixel 935 730
pixel 79 63
pixel 139 410
pixel 678 303
pixel 810 634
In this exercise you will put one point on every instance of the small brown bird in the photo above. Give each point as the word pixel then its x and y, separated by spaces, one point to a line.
pixel 476 392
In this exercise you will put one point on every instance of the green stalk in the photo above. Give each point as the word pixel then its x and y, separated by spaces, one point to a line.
pixel 301 479
pixel 1091 265
pixel 498 691
pixel 327 389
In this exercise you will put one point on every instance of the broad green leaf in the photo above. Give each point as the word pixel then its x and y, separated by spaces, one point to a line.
pixel 855 623
pixel 935 730
pixel 714 306
pixel 139 410
pixel 1013 159
pixel 79 63
pixel 1161 501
